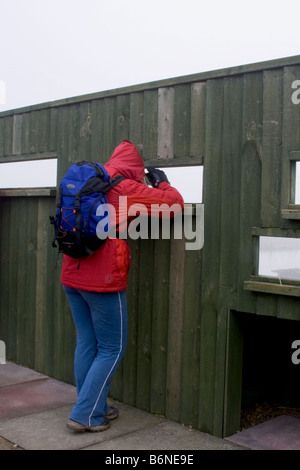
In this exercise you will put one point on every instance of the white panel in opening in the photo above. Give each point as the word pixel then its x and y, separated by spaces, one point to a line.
pixel 188 180
pixel 279 257
pixel 28 174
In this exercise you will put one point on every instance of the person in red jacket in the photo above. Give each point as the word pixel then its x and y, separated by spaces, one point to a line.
pixel 96 289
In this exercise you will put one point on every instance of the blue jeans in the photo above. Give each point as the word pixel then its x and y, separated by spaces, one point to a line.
pixel 101 323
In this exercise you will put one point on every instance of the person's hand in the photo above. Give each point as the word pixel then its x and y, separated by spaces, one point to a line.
pixel 156 176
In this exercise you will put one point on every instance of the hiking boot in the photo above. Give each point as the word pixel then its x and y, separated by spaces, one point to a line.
pixel 112 413
pixel 78 427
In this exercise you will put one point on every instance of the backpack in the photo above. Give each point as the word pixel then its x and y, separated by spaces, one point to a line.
pixel 76 223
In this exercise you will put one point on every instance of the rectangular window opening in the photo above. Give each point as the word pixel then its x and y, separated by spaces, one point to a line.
pixel 188 180
pixel 279 257
pixel 28 174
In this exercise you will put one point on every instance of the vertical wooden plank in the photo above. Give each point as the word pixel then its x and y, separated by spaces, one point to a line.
pixel 108 128
pixel 2 137
pixel 271 147
pixel 165 122
pixel 211 253
pixel 44 304
pixel 8 135
pixel 230 189
pixel 4 271
pixel 68 147
pixel 17 134
pixel 26 133
pixel 34 131
pixel 73 152
pixel 229 227
pixel 250 182
pixel 39 131
pixel 175 329
pixel 130 358
pixel 136 123
pixel 21 332
pixel 96 136
pixel 191 338
pixel 122 118
pixel 62 142
pixel 85 117
pixel 182 116
pixel 31 279
pixel 12 280
pixel 150 124
pixel 53 129
pixel 197 136
pixel 160 320
pixel 144 325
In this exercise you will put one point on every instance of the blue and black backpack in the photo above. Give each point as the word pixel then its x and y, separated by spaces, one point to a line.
pixel 78 228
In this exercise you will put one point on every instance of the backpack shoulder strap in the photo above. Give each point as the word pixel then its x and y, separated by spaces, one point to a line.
pixel 114 182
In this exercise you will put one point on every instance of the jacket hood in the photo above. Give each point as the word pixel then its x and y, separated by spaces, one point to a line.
pixel 126 161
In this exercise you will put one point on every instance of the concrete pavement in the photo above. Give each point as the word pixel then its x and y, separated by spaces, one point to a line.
pixel 34 409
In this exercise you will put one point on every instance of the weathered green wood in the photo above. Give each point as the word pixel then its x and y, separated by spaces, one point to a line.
pixel 211 253
pixel 251 165
pixel 12 280
pixel 145 305
pixel 182 120
pixel 175 329
pixel 197 135
pixel 189 407
pixel 150 125
pixel 165 122
pixel 136 123
pixel 25 144
pixel 17 134
pixel 230 230
pixel 159 330
pixel 185 308
pixel 2 136
pixel 108 128
pixel 122 118
pixel 8 135
pixel 85 131
pixel 130 358
pixel 4 270
pixel 271 147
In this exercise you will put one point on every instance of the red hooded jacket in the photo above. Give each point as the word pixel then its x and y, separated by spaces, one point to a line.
pixel 107 269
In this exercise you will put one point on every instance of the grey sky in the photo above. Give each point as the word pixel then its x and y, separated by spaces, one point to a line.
pixel 63 48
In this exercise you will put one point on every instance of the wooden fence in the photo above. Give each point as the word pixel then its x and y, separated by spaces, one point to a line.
pixel 186 307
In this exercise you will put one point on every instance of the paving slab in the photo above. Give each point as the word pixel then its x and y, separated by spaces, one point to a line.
pixel 280 433
pixel 35 396
pixel 12 374
pixel 48 431
pixel 166 435
pixel 34 410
